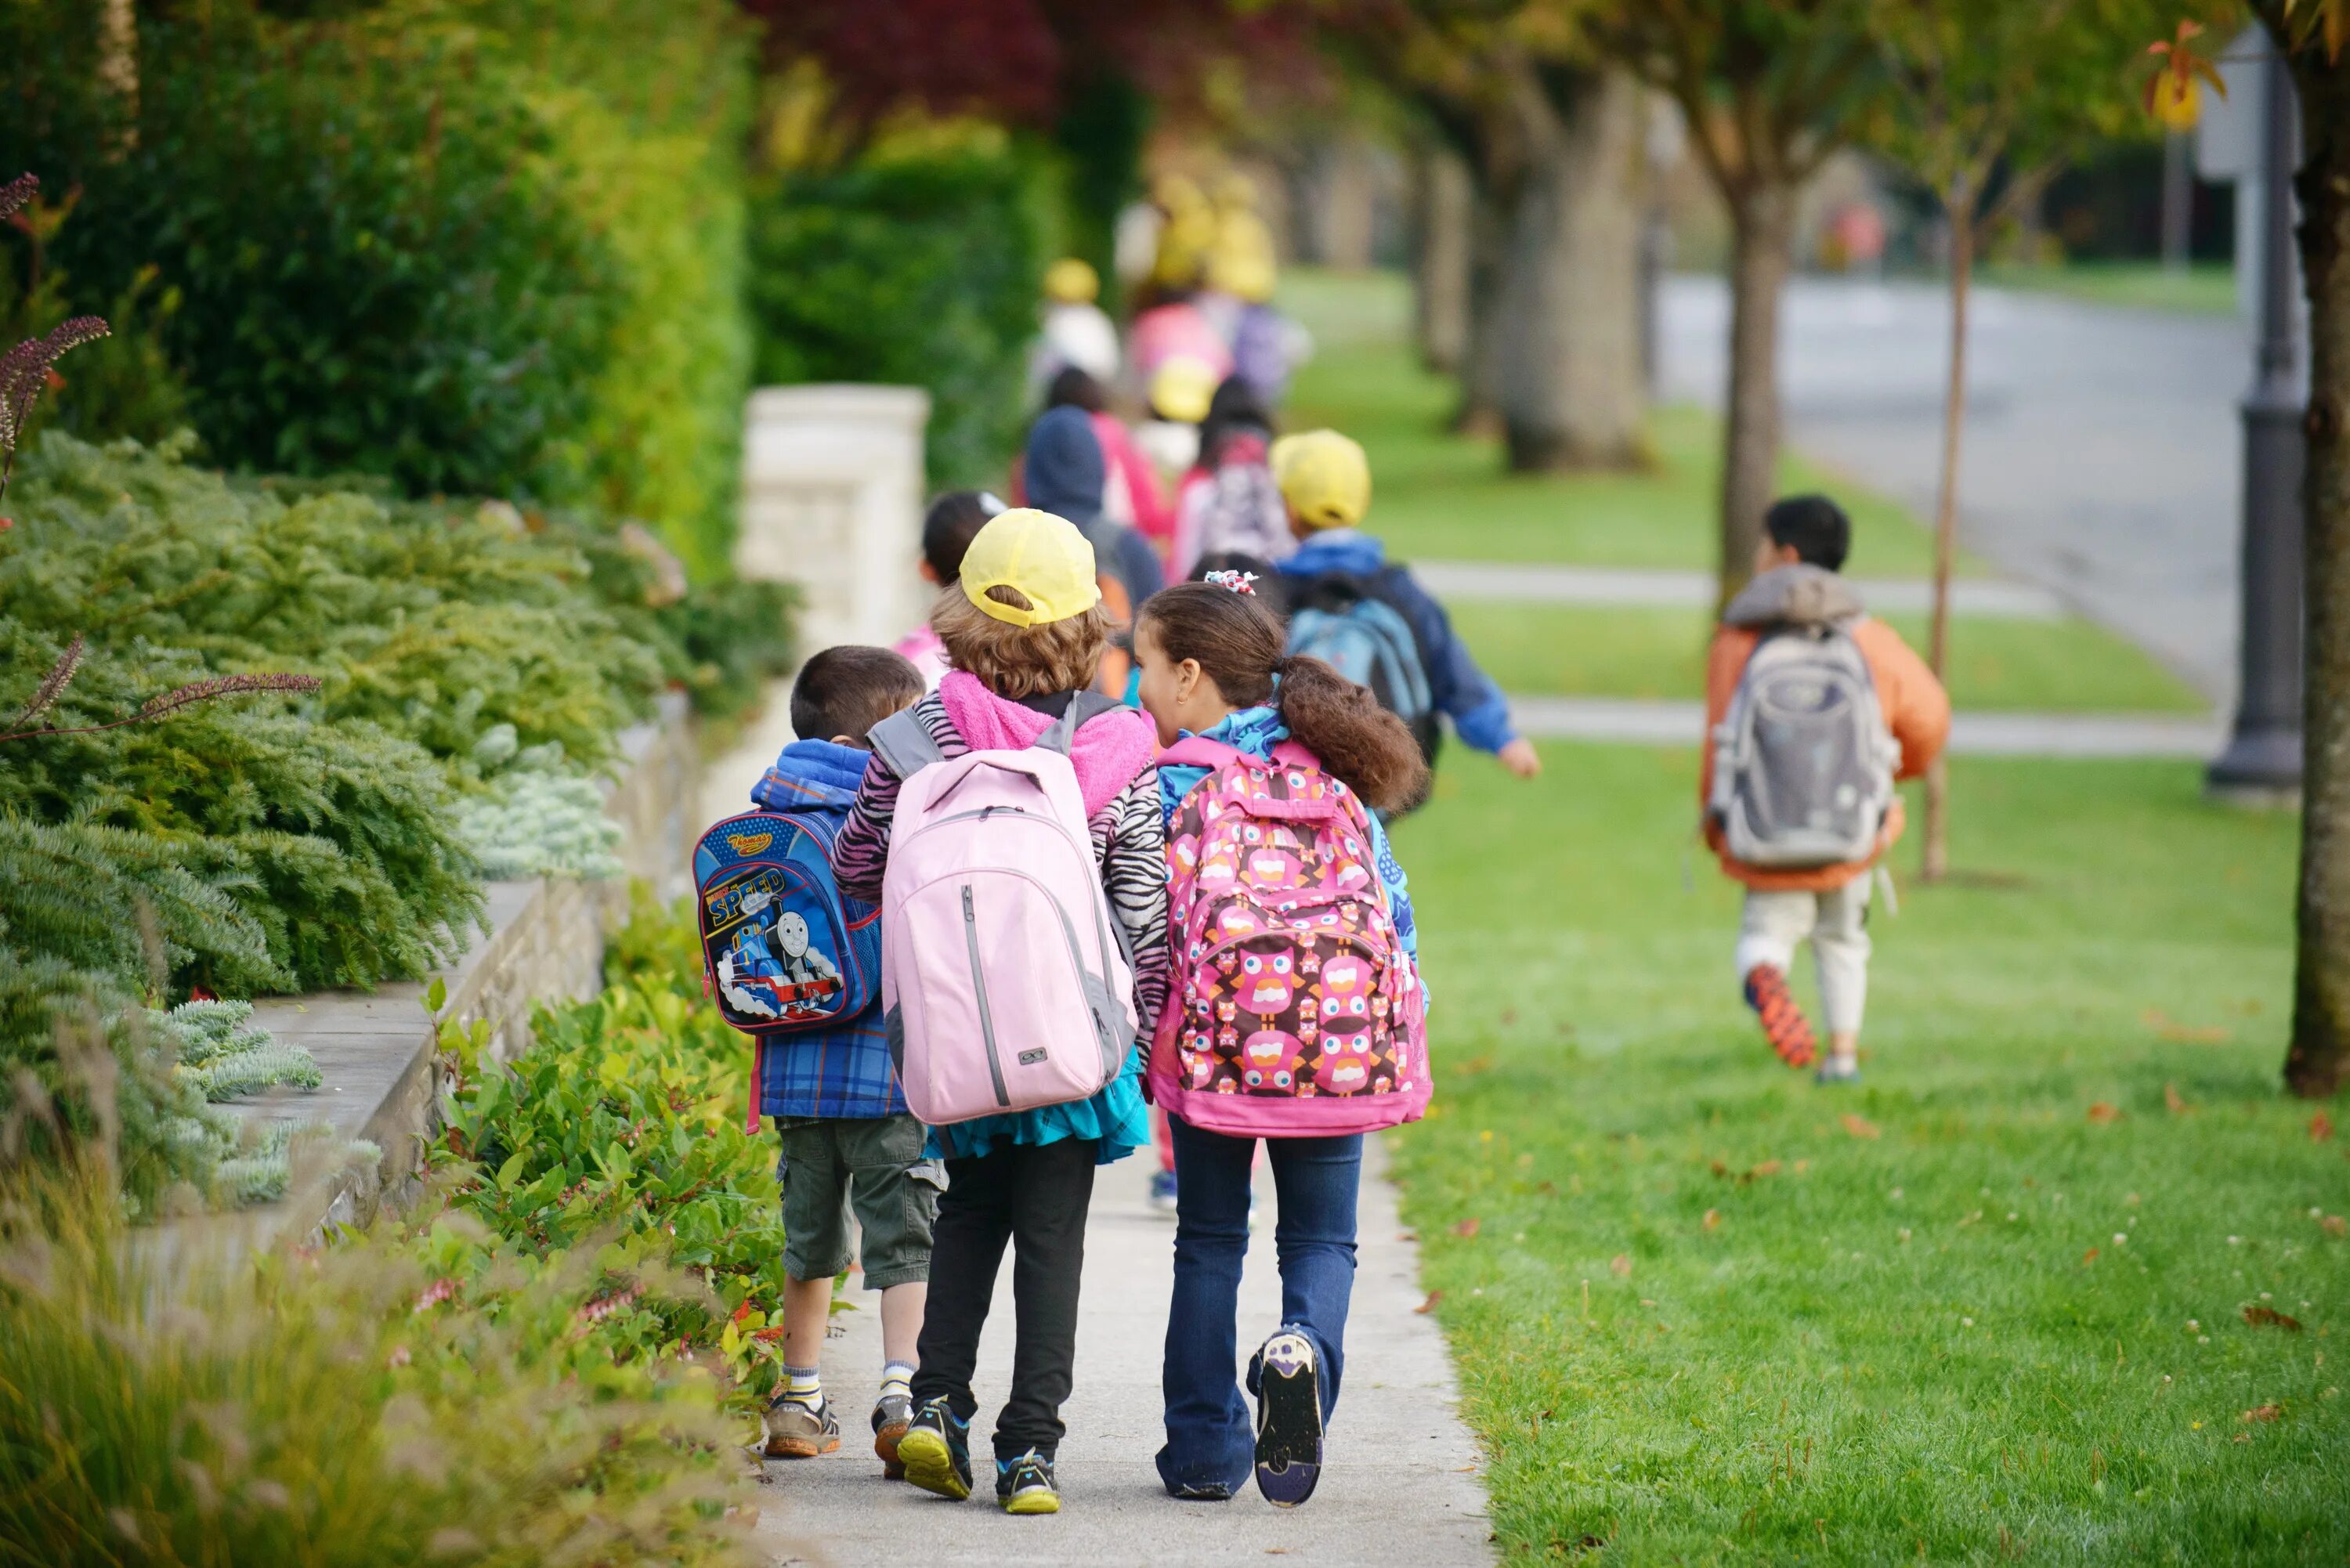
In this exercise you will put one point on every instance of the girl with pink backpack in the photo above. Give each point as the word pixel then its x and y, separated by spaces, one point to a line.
pixel 1295 1012
pixel 1009 828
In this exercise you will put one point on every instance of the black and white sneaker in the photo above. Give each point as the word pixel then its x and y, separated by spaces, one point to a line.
pixel 1288 1419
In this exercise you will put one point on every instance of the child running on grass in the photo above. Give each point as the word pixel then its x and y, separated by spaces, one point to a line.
pixel 1025 628
pixel 848 1141
pixel 1860 710
pixel 1294 1015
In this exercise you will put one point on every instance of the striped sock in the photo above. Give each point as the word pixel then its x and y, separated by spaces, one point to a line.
pixel 802 1386
pixel 897 1378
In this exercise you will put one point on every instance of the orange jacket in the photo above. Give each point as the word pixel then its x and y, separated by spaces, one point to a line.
pixel 1915 708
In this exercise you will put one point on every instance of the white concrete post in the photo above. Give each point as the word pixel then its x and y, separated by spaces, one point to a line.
pixel 832 500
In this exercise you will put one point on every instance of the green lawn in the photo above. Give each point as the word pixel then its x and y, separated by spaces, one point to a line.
pixel 1436 494
pixel 2061 665
pixel 2207 288
pixel 1988 1305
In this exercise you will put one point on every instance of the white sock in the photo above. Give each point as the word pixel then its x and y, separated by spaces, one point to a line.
pixel 802 1386
pixel 897 1378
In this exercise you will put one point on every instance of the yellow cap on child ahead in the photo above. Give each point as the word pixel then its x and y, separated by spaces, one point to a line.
pixel 1071 281
pixel 1324 476
pixel 1181 388
pixel 1043 556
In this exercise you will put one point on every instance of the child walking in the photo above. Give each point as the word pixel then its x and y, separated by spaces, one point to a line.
pixel 947 530
pixel 1025 628
pixel 1296 1015
pixel 848 1143
pixel 1776 827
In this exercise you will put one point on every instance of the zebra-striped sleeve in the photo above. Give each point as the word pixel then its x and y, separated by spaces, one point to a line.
pixel 860 852
pixel 1130 841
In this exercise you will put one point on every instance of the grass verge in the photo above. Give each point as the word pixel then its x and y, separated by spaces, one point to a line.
pixel 2207 288
pixel 1995 1302
pixel 1606 650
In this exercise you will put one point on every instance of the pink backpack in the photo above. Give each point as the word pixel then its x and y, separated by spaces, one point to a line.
pixel 1297 1013
pixel 1005 980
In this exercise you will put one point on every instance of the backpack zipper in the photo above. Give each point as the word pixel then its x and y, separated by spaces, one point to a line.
pixel 979 983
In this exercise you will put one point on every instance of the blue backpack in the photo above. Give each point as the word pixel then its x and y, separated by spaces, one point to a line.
pixel 1340 619
pixel 785 951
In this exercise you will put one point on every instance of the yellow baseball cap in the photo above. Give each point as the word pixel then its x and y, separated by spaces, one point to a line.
pixel 1043 556
pixel 1071 281
pixel 1183 388
pixel 1324 476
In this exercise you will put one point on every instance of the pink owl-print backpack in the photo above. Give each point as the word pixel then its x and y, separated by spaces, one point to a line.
pixel 1295 1011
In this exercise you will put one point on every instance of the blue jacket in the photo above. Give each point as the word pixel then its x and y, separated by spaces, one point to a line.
pixel 1476 706
pixel 1257 731
pixel 844 1071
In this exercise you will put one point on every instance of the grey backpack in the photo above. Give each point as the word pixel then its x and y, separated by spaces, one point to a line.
pixel 1803 763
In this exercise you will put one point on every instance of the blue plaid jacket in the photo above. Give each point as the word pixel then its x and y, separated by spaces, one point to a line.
pixel 844 1071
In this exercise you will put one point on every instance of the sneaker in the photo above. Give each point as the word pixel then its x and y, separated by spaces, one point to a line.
pixel 935 1453
pixel 1162 1191
pixel 1025 1485
pixel 892 1414
pixel 1839 1070
pixel 1288 1420
pixel 1200 1491
pixel 796 1432
pixel 1783 1024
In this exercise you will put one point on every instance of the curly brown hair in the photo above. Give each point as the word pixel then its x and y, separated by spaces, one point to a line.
pixel 1018 662
pixel 1240 645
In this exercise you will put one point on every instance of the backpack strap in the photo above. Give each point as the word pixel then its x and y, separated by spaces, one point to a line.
pixel 904 743
pixel 1085 706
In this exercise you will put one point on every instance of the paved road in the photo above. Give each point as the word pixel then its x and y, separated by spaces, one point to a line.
pixel 1402 1486
pixel 2103 449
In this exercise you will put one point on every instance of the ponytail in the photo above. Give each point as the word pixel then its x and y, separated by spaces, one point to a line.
pixel 1356 740
pixel 1237 640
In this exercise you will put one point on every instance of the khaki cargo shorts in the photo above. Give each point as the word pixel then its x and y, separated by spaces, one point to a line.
pixel 872 1166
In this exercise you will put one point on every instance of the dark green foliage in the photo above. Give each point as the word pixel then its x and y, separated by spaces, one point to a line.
pixel 736 636
pixel 915 271
pixel 476 247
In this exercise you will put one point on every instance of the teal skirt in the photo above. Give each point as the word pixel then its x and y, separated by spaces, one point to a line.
pixel 1116 1117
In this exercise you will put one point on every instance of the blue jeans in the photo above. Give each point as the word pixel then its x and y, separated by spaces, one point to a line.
pixel 1209 1436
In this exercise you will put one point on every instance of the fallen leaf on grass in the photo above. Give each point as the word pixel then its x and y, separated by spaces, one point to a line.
pixel 2169 1028
pixel 1768 1168
pixel 1712 1219
pixel 2336 1226
pixel 2175 1100
pixel 1472 1067
pixel 2259 1316
pixel 2102 1112
pixel 1467 1227
pixel 2320 1127
pixel 1860 1125
pixel 2090 1256
pixel 2262 1413
pixel 1430 1304
pixel 1620 1265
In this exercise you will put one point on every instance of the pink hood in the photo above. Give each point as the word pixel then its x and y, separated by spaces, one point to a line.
pixel 1110 750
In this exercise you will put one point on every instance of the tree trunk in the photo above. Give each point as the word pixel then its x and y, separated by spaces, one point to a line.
pixel 1961 211
pixel 1481 373
pixel 2318 1061
pixel 1762 253
pixel 1569 372
pixel 1443 210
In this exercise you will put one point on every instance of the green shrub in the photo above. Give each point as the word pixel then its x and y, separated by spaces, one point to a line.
pixel 914 270
pixel 476 247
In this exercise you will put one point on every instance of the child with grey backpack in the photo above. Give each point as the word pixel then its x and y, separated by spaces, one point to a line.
pixel 1814 710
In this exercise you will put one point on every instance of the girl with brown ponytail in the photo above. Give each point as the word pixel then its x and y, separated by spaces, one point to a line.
pixel 1213 667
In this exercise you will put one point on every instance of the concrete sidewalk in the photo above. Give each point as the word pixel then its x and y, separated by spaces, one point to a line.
pixel 1971 735
pixel 1533 583
pixel 1401 1486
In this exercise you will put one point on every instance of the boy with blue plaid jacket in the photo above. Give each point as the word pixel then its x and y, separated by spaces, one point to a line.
pixel 848 1143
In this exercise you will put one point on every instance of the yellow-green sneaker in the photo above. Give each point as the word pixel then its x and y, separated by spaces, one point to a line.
pixel 936 1450
pixel 1025 1485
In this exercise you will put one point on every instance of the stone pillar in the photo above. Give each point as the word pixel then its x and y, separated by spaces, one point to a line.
pixel 832 500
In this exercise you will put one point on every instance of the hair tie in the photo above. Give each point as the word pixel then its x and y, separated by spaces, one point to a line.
pixel 1239 582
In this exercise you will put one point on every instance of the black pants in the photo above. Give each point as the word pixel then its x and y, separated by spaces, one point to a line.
pixel 1033 1196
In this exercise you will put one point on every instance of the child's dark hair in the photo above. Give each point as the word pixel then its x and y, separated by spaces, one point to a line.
pixel 1268 585
pixel 845 691
pixel 948 527
pixel 1236 409
pixel 1240 646
pixel 1813 527
pixel 1078 388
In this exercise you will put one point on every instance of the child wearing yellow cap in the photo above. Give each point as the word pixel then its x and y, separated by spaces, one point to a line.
pixel 1367 615
pixel 1024 627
